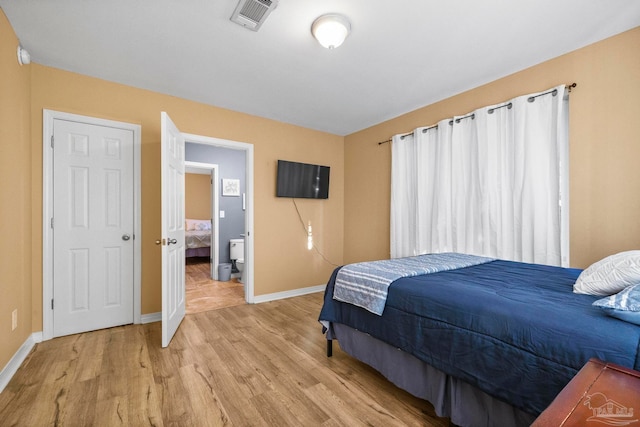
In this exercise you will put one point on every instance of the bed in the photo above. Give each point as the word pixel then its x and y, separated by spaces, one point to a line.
pixel 198 238
pixel 490 343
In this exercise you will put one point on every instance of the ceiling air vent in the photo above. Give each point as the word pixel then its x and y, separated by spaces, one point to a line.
pixel 251 14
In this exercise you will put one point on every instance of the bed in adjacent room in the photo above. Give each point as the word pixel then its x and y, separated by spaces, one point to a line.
pixel 487 342
pixel 198 237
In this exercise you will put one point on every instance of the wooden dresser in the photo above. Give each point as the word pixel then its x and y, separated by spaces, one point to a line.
pixel 601 394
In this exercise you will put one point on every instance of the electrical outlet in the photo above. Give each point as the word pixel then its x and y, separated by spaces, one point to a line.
pixel 14 319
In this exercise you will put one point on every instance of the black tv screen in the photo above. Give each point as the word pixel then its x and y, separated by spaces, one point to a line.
pixel 302 180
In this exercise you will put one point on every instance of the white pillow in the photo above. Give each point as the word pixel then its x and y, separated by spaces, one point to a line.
pixel 610 275
pixel 203 225
pixel 197 225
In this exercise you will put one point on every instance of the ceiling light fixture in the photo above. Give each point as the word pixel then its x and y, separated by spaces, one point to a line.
pixel 23 56
pixel 330 30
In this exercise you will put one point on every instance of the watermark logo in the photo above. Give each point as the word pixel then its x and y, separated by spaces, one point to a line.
pixel 609 412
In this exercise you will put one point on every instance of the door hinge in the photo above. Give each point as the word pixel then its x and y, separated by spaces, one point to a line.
pixel 51 303
pixel 51 141
pixel 51 222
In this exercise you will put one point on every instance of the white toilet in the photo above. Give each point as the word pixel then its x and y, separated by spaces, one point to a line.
pixel 236 249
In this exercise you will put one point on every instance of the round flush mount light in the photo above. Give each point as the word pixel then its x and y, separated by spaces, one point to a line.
pixel 23 56
pixel 330 30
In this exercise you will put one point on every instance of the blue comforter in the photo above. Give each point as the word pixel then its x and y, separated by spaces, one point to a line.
pixel 514 330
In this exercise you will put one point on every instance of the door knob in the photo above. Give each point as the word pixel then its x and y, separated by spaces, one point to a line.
pixel 172 241
pixel 125 237
pixel 160 242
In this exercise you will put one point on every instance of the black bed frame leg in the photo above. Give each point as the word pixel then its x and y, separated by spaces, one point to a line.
pixel 329 348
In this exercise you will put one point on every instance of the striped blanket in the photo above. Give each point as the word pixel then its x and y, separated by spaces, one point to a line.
pixel 365 284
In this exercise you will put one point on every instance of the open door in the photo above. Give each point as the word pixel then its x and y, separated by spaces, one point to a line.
pixel 213 252
pixel 173 224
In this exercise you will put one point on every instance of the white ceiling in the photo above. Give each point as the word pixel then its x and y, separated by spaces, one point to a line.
pixel 401 54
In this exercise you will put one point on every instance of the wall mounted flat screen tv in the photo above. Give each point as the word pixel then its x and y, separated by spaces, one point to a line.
pixel 302 180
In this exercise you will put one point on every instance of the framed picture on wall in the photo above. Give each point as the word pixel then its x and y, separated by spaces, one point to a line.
pixel 231 187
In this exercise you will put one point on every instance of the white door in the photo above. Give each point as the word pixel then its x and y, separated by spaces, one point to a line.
pixel 93 224
pixel 213 251
pixel 173 224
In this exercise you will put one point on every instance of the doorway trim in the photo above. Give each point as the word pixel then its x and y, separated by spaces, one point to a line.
pixel 212 170
pixel 48 117
pixel 248 274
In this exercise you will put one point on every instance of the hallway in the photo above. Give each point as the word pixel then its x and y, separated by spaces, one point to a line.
pixel 204 294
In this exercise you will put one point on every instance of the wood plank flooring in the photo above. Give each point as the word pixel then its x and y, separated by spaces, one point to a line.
pixel 204 293
pixel 248 365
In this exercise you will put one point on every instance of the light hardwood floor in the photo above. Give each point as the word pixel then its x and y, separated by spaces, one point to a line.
pixel 204 294
pixel 249 365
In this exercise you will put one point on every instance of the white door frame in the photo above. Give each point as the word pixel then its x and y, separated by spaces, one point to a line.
pixel 211 170
pixel 48 116
pixel 247 275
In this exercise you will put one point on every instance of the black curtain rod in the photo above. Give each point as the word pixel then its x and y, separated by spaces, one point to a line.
pixel 410 133
pixel 554 92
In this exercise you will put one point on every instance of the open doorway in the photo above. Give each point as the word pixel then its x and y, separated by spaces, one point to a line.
pixel 201 208
pixel 216 187
pixel 172 241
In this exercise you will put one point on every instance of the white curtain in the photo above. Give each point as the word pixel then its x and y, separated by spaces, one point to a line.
pixel 493 182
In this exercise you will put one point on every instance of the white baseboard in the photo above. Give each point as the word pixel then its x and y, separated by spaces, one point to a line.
pixel 151 317
pixel 37 337
pixel 288 294
pixel 157 317
pixel 12 367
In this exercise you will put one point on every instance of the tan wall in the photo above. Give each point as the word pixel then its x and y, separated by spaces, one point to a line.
pixel 197 196
pixel 604 145
pixel 281 261
pixel 15 195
